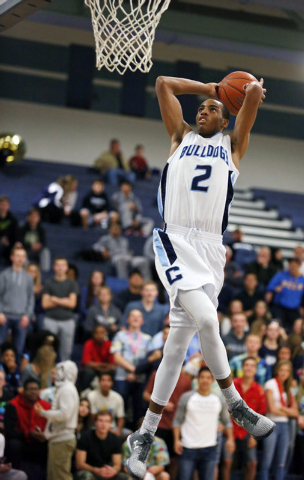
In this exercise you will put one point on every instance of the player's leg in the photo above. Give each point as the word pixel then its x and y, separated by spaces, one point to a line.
pixel 165 381
pixel 199 306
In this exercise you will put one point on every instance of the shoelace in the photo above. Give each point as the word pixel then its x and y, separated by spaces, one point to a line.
pixel 144 450
pixel 251 417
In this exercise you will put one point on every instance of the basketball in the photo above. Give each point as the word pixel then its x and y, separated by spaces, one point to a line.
pixel 231 90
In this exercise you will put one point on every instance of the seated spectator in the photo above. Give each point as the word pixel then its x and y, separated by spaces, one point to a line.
pixel 98 453
pixel 32 237
pixel 104 398
pixel 243 252
pixel 153 312
pixel 26 448
pixel 132 293
pixel 295 342
pixel 88 295
pixel 96 357
pixel 254 396
pixel 8 229
pixel 60 430
pixel 129 347
pixel 277 259
pixel 95 206
pixel 286 291
pixel 113 166
pixel 262 267
pixel 263 370
pixel 271 343
pixel 130 210
pixel 116 249
pixel 234 341
pixel 235 306
pixel 69 200
pixel 6 470
pixel 16 300
pixel 84 417
pixel 104 313
pixel 233 274
pixel 157 461
pixel 260 316
pixel 34 271
pixel 139 165
pixel 49 201
pixel 59 299
pixel 5 396
pixel 9 367
pixel 281 406
pixel 153 358
pixel 41 367
pixel 250 293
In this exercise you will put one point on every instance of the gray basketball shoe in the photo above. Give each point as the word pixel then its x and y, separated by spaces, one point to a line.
pixel 139 445
pixel 257 425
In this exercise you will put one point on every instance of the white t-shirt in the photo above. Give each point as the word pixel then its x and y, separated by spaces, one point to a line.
pixel 199 429
pixel 273 386
pixel 113 402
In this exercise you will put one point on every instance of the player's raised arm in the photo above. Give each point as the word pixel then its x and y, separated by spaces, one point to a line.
pixel 255 94
pixel 167 88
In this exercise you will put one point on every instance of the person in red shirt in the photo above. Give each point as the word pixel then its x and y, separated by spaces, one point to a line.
pixel 96 357
pixel 164 430
pixel 139 164
pixel 26 446
pixel 253 394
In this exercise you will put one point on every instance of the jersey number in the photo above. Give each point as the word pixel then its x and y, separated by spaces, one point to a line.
pixel 201 178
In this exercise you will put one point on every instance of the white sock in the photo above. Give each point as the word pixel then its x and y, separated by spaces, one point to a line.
pixel 150 423
pixel 231 395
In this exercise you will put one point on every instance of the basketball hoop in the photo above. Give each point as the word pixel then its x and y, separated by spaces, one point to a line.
pixel 124 35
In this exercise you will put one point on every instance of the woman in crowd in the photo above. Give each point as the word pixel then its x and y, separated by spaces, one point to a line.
pixel 295 342
pixel 41 367
pixel 259 319
pixel 84 417
pixel 89 293
pixel 235 306
pixel 281 406
pixel 271 343
pixel 34 271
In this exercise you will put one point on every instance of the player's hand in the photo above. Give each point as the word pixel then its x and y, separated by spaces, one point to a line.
pixel 178 447
pixel 211 90
pixel 251 442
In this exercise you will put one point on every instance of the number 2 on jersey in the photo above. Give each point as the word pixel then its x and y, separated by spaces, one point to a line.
pixel 196 182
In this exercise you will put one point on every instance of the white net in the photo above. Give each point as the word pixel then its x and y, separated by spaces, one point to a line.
pixel 124 32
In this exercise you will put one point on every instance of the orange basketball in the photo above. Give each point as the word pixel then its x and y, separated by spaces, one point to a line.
pixel 231 90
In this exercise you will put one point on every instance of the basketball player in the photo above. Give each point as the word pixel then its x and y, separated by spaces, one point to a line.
pixel 194 196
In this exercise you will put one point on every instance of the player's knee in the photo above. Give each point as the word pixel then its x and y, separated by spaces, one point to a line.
pixel 208 322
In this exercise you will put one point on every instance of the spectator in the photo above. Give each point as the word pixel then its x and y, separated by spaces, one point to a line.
pixel 84 417
pixel 6 471
pixel 41 367
pixel 298 253
pixel 263 370
pixel 157 461
pixel 96 356
pixel 281 405
pixel 98 453
pixel 243 252
pixel 32 238
pixel 286 290
pixel 139 165
pixel 89 293
pixel 95 206
pixel 260 315
pixel 132 293
pixel 250 294
pixel 130 209
pixel 278 260
pixel 235 306
pixel 8 229
pixel 299 451
pixel 69 200
pixel 233 274
pixel 59 300
pixel 16 300
pixel 234 341
pixel 113 165
pixel 9 367
pixel 295 342
pixel 34 271
pixel 271 342
pixel 62 422
pixel 254 396
pixel 5 396
pixel 129 347
pixel 49 201
pixel 104 313
pixel 26 448
pixel 116 249
pixel 104 398
pixel 153 358
pixel 197 446
pixel 262 267
pixel 153 312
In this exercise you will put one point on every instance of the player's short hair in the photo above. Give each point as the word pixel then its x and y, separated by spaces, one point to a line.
pixel 225 111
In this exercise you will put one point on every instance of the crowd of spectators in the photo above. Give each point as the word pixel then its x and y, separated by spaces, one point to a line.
pixel 60 420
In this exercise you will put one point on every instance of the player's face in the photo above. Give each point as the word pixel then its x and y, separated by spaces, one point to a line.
pixel 209 118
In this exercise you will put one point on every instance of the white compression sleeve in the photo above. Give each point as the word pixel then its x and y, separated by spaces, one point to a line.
pixel 199 306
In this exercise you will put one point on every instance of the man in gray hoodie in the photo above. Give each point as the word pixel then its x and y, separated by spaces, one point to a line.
pixel 16 300
pixel 62 422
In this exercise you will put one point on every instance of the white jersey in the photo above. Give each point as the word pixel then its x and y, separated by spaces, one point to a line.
pixel 196 187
